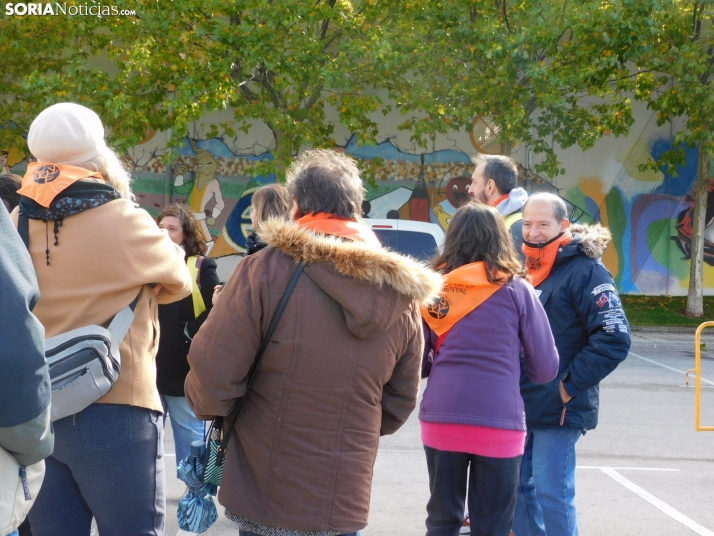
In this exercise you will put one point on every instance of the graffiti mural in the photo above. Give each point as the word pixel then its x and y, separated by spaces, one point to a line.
pixel 649 216
pixel 648 212
pixel 685 227
pixel 9 158
pixel 203 193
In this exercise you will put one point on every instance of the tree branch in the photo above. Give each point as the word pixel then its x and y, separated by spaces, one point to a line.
pixel 310 102
pixel 696 25
pixel 505 15
pixel 266 81
pixel 704 78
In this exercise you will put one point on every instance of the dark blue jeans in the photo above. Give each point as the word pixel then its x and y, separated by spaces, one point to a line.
pixel 492 485
pixel 108 464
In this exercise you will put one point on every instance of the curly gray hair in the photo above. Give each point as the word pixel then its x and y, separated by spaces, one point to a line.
pixel 323 180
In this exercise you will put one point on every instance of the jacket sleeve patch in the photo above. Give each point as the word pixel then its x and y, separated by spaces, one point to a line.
pixel 606 287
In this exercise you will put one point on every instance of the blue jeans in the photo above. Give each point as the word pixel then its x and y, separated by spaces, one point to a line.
pixel 546 497
pixel 16 533
pixel 493 483
pixel 186 427
pixel 108 463
pixel 245 533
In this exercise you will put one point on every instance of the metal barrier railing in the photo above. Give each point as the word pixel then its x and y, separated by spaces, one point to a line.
pixel 698 379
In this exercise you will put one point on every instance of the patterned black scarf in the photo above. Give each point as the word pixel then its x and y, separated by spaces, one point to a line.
pixel 80 196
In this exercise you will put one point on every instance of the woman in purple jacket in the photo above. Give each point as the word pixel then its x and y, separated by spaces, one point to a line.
pixel 487 323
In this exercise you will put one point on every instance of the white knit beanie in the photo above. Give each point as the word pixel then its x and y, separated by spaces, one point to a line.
pixel 66 133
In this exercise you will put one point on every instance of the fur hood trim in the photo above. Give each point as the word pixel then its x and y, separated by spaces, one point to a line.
pixel 404 274
pixel 594 238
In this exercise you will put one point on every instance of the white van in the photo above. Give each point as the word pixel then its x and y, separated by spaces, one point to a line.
pixel 418 239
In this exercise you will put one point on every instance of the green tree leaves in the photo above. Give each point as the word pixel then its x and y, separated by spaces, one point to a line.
pixel 550 73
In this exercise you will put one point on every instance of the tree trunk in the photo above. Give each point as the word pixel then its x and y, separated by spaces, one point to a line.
pixel 695 297
pixel 280 164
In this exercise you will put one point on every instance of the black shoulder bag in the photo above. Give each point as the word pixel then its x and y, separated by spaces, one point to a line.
pixel 221 428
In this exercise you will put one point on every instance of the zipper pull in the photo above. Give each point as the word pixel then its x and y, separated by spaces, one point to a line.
pixel 25 483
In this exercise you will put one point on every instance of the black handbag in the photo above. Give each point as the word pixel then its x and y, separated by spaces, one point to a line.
pixel 219 433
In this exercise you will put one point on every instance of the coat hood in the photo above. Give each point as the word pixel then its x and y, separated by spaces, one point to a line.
pixel 373 286
pixel 592 239
pixel 513 203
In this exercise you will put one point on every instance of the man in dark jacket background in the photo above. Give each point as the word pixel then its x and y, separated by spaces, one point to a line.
pixel 592 336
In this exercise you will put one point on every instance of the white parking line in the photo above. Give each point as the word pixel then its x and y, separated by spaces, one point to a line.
pixel 626 468
pixel 657 503
pixel 666 366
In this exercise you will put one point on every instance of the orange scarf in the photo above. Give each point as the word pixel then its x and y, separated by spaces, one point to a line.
pixel 330 224
pixel 43 181
pixel 540 258
pixel 499 200
pixel 465 289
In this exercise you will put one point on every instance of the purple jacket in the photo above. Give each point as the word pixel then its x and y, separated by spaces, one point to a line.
pixel 474 379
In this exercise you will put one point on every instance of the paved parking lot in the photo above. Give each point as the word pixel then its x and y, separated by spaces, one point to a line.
pixel 644 470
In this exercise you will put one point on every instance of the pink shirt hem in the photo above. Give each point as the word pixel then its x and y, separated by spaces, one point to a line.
pixel 479 440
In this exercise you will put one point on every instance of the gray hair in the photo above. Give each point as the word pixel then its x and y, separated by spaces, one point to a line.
pixel 560 210
pixel 502 170
pixel 321 180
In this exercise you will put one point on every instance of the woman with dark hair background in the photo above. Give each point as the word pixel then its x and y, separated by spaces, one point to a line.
pixel 179 322
pixel 472 414
pixel 9 185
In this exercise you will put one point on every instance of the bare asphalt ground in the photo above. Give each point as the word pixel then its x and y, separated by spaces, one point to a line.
pixel 643 471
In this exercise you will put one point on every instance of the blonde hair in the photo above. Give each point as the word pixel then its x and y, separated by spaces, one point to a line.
pixel 113 171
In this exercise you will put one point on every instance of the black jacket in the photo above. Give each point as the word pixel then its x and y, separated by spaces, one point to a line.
pixel 171 363
pixel 253 243
pixel 590 330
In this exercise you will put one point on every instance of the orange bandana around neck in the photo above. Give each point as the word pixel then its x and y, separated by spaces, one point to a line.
pixel 499 200
pixel 330 224
pixel 43 181
pixel 465 289
pixel 540 259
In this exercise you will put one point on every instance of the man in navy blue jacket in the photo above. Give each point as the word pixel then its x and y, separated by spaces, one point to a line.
pixel 25 433
pixel 592 336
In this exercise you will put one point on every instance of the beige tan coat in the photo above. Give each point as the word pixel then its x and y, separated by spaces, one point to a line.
pixel 104 257
pixel 342 368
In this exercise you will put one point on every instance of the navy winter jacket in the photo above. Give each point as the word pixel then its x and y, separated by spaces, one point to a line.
pixel 590 330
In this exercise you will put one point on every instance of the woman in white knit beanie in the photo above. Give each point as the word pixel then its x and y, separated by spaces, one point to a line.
pixel 69 133
pixel 94 252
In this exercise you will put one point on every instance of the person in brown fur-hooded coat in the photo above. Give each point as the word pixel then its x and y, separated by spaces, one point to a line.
pixel 341 370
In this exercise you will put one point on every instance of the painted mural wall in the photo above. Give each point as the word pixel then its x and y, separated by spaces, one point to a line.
pixel 649 213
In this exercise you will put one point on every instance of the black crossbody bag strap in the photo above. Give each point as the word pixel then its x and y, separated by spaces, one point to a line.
pixel 23 227
pixel 230 422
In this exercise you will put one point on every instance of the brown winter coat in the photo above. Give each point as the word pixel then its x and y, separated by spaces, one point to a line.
pixel 342 369
pixel 104 257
